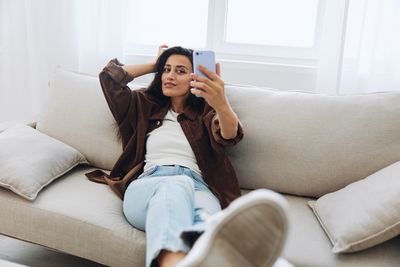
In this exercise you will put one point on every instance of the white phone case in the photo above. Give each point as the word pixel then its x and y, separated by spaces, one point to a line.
pixel 204 58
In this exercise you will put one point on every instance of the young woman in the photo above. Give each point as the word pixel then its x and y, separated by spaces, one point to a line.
pixel 173 173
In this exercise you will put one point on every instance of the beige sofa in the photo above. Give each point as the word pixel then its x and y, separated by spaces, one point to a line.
pixel 302 145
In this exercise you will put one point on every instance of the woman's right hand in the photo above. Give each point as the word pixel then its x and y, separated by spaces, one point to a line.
pixel 138 70
pixel 161 49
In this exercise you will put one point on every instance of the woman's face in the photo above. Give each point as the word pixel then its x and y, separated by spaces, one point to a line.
pixel 176 76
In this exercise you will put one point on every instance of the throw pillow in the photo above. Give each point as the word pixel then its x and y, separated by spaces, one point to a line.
pixel 364 213
pixel 30 160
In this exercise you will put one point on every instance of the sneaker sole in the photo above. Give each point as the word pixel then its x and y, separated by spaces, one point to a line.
pixel 262 219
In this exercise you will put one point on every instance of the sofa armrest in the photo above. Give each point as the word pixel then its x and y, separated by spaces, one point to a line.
pixel 31 121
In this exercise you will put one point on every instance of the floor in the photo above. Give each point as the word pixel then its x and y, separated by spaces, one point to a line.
pixel 26 254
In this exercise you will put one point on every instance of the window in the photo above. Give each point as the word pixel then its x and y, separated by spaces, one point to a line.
pixel 235 29
pixel 174 22
pixel 289 23
pixel 262 30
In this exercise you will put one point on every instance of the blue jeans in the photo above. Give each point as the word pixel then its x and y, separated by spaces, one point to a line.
pixel 164 201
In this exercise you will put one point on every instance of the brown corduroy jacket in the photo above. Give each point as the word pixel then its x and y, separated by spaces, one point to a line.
pixel 138 113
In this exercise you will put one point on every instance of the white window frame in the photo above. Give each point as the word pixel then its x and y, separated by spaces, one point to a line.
pixel 217 12
pixel 263 53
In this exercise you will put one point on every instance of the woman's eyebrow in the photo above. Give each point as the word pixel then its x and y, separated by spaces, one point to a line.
pixel 182 66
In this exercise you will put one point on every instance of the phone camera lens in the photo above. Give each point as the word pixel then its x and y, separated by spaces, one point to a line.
pixel 197 53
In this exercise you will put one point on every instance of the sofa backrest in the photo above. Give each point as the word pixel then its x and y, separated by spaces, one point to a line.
pixel 311 144
pixel 75 112
pixel 294 142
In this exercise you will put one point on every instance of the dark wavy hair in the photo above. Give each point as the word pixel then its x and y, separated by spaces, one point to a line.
pixel 155 87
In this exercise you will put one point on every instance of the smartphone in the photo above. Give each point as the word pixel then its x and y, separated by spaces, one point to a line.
pixel 204 58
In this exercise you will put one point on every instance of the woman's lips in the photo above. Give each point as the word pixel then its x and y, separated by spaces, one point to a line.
pixel 169 85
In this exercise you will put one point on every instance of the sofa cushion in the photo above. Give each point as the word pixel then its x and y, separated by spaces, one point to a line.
pixel 76 216
pixel 364 213
pixel 76 113
pixel 308 245
pixel 30 160
pixel 311 144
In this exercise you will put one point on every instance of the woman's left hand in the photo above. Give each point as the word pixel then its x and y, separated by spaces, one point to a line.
pixel 212 89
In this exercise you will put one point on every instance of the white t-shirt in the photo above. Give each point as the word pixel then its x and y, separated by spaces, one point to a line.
pixel 168 145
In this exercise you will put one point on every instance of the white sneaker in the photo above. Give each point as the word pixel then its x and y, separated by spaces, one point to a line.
pixel 281 262
pixel 250 232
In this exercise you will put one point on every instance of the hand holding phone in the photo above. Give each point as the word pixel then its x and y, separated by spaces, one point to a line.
pixel 204 58
pixel 212 90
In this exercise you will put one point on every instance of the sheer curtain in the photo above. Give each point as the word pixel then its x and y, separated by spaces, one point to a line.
pixel 36 36
pixel 101 25
pixel 371 57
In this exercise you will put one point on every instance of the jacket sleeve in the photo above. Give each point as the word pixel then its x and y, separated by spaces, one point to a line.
pixel 212 123
pixel 114 80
